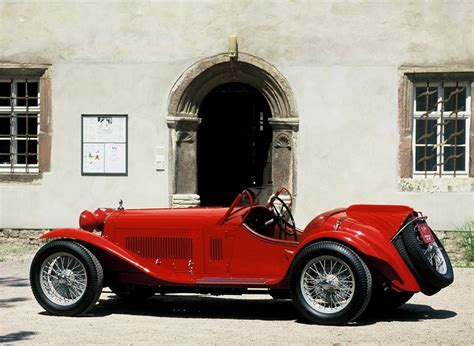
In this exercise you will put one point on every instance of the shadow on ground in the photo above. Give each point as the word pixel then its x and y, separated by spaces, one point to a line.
pixel 198 306
pixel 18 336
pixel 14 282
pixel 10 302
pixel 406 313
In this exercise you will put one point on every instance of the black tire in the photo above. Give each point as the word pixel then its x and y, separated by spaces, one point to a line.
pixel 279 293
pixel 94 278
pixel 426 288
pixel 433 276
pixel 348 261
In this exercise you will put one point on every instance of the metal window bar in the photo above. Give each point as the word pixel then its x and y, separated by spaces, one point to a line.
pixel 441 141
pixel 456 133
pixel 14 137
pixel 440 159
pixel 426 135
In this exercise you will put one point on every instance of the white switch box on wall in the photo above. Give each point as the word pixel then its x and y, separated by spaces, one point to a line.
pixel 160 158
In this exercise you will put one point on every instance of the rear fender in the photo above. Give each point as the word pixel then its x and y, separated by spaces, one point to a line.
pixel 99 242
pixel 377 251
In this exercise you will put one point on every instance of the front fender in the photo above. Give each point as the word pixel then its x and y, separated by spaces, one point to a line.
pixel 375 248
pixel 100 242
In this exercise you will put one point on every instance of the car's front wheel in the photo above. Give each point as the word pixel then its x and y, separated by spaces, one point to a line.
pixel 329 283
pixel 66 278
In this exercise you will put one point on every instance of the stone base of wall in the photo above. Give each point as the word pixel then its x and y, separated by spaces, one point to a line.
pixel 18 243
pixel 452 244
pixel 185 201
pixel 25 236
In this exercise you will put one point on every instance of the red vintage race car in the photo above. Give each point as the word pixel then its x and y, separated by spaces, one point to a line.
pixel 343 260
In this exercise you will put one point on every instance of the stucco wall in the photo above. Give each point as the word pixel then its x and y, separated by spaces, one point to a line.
pixel 347 151
pixel 341 59
pixel 297 33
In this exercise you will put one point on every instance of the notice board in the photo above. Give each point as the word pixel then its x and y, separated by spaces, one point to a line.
pixel 104 145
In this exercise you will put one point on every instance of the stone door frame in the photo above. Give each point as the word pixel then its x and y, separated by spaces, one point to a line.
pixel 185 98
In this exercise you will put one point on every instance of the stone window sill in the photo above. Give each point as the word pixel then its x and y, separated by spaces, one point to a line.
pixel 20 178
pixel 460 184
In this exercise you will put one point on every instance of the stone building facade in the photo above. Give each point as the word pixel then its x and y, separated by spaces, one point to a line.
pixel 341 102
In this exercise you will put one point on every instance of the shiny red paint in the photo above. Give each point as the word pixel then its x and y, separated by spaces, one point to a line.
pixel 385 218
pixel 374 244
pixel 213 247
pixel 87 221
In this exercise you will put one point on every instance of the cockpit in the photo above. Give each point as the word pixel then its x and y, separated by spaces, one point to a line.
pixel 273 220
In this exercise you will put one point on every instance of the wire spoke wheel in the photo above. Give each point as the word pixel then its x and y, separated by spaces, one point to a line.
pixel 435 257
pixel 327 284
pixel 63 278
pixel 330 283
pixel 66 278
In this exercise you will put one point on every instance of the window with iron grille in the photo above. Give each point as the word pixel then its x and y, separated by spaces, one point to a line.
pixel 441 123
pixel 19 125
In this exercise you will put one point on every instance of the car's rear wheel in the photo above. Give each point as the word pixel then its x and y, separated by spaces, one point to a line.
pixel 329 283
pixel 430 260
pixel 66 278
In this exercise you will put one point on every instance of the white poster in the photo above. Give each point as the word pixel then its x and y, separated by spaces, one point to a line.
pixel 104 129
pixel 93 158
pixel 104 144
pixel 115 157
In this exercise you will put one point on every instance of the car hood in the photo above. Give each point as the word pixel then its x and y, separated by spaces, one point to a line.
pixel 166 218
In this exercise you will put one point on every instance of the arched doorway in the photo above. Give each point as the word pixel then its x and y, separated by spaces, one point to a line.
pixel 233 142
pixel 187 98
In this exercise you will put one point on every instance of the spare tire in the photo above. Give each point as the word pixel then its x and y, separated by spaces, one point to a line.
pixel 430 260
pixel 425 287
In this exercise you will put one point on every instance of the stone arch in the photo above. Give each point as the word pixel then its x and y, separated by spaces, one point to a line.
pixel 185 99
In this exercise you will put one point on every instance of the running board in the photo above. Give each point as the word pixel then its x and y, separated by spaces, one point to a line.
pixel 231 281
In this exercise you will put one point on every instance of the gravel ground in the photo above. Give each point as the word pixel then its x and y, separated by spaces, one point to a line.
pixel 446 318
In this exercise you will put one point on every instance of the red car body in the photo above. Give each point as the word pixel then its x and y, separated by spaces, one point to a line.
pixel 237 248
pixel 160 243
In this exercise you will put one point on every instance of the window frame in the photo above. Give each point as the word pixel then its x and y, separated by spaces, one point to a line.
pixel 407 181
pixel 438 115
pixel 42 73
pixel 13 111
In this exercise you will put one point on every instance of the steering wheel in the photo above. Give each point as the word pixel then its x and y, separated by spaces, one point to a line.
pixel 283 216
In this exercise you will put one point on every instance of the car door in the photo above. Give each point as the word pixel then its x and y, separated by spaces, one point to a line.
pixel 218 245
pixel 257 256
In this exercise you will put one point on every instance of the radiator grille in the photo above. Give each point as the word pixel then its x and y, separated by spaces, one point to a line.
pixel 216 249
pixel 161 247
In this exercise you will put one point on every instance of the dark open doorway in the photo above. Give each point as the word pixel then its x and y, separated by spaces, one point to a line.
pixel 233 143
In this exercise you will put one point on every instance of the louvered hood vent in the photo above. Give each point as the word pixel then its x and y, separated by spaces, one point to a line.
pixel 216 249
pixel 161 247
